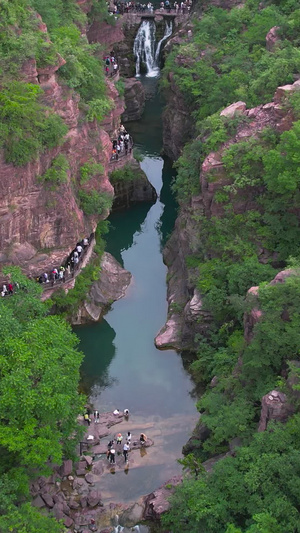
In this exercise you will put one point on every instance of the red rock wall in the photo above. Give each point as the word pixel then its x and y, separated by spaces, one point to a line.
pixel 40 224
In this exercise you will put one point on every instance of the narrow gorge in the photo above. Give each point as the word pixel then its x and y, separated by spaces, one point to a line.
pixel 150 227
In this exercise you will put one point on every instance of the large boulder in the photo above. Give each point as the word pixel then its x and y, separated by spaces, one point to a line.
pixel 134 100
pixel 66 468
pixel 283 91
pixel 157 502
pixel 232 110
pixel 274 406
pixel 94 498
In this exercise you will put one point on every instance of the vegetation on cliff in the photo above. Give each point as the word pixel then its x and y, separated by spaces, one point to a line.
pixel 252 234
pixel 27 126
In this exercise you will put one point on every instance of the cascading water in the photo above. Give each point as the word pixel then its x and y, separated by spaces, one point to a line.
pixel 144 47
pixel 168 33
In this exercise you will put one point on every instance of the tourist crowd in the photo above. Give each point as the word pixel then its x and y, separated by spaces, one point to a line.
pixel 122 145
pixel 66 270
pixel 136 7
pixel 111 65
pixel 111 448
pixel 9 288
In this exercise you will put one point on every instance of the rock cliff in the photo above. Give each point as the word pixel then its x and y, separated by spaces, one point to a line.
pixel 186 316
pixel 134 100
pixel 40 222
pixel 177 120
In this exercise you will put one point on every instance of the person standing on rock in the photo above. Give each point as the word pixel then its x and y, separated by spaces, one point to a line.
pixel 128 438
pixel 126 449
pixel 112 456
pixel 96 416
pixel 126 413
pixel 119 438
pixel 87 419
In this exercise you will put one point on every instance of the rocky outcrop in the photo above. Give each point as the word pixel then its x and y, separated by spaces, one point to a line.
pixel 134 100
pixel 177 121
pixel 186 315
pixel 200 434
pixel 254 315
pixel 274 407
pixel 233 110
pixel 128 192
pixel 272 38
pixel 157 502
pixel 111 286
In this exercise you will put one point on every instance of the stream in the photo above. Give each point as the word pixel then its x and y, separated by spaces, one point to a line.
pixel 122 368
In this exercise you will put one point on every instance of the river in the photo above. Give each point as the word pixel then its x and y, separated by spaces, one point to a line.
pixel 122 368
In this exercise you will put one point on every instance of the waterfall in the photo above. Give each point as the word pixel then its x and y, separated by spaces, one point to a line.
pixel 144 47
pixel 168 33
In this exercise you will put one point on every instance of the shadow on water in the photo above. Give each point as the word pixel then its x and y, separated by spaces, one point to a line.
pixel 121 236
pixel 94 371
pixel 168 216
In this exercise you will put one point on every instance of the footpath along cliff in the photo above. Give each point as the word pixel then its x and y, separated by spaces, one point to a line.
pixel 56 159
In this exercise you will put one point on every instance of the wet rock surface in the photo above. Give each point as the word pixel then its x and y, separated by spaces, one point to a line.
pixel 76 499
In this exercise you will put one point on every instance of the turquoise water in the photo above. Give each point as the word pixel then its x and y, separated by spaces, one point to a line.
pixel 122 368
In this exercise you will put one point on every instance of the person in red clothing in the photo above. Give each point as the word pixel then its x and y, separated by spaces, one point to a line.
pixel 10 289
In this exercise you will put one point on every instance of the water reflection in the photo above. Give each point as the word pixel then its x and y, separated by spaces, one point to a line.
pixel 94 371
pixel 168 216
pixel 121 236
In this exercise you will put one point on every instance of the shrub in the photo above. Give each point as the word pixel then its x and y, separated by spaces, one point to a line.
pixel 90 170
pixel 99 108
pixel 120 86
pixel 94 202
pixel 57 172
pixel 126 173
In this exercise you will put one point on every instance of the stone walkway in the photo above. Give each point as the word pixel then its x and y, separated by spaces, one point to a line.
pixel 71 492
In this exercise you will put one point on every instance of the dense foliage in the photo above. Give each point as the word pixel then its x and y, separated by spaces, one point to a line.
pixel 253 237
pixel 255 492
pixel 39 402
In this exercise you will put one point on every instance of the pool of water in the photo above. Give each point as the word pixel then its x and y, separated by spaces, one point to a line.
pixel 122 368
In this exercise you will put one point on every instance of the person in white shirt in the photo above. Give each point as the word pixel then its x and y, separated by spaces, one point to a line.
pixel 112 456
pixel 126 449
